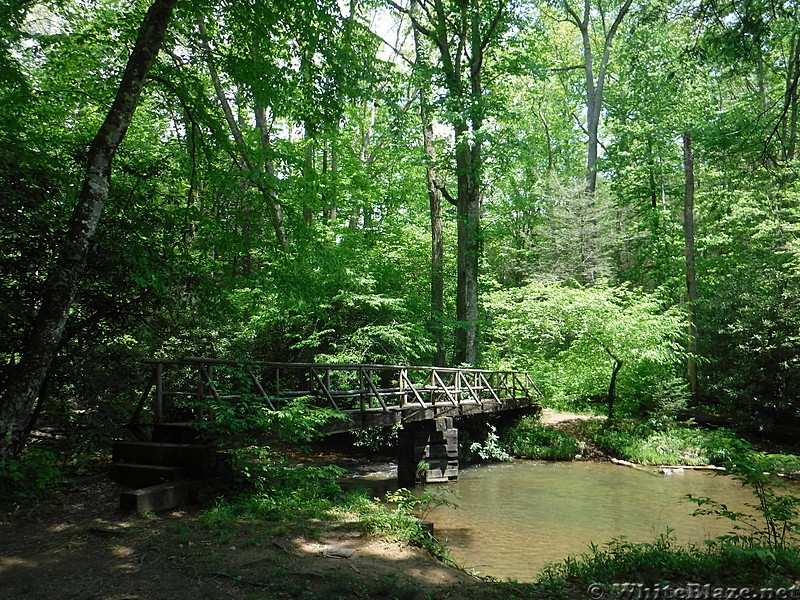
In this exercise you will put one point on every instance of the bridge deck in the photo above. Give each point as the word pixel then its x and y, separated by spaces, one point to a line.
pixel 368 395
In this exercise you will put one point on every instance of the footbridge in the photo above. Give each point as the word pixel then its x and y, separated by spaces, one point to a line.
pixel 423 400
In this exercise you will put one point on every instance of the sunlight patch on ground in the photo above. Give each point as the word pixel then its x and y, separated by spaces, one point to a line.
pixel 10 562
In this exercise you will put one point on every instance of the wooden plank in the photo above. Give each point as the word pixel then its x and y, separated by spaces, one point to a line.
pixel 533 385
pixel 261 390
pixel 491 389
pixel 324 388
pixel 376 393
pixel 444 387
pixel 209 382
pixel 471 389
pixel 416 393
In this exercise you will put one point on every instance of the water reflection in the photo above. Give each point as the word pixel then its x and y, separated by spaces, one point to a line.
pixel 513 518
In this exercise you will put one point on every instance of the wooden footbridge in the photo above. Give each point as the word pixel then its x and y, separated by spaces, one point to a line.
pixel 180 393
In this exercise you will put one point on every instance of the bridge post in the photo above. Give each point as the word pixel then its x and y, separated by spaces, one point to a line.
pixel 428 452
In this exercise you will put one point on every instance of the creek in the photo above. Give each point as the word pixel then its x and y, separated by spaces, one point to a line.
pixel 513 518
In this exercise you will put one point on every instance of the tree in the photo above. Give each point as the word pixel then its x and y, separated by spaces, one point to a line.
pixel 691 270
pixel 578 340
pixel 595 72
pixel 433 187
pixel 462 34
pixel 19 398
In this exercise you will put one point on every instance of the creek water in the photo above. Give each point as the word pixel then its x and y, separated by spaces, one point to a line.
pixel 514 518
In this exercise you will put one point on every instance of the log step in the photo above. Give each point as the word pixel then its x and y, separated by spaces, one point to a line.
pixel 163 453
pixel 165 495
pixel 139 476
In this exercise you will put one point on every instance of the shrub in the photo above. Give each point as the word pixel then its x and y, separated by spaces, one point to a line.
pixel 490 449
pixel 658 442
pixel 663 561
pixel 530 439
pixel 774 519
pixel 30 477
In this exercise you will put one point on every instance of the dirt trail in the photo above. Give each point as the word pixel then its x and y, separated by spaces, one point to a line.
pixel 553 417
pixel 79 545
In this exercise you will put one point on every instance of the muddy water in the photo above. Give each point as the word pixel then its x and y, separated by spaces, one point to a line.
pixel 513 518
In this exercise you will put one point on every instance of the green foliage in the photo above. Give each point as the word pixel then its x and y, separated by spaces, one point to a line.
pixel 377 439
pixel 574 338
pixel 490 449
pixel 284 494
pixel 528 438
pixel 665 562
pixel 773 522
pixel 659 442
pixel 33 476
pixel 403 522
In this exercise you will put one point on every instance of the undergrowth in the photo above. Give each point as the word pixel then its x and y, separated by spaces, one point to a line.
pixel 528 438
pixel 664 561
pixel 658 442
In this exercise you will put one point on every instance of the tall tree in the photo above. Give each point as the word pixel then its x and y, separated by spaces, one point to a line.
pixel 19 398
pixel 586 19
pixel 433 187
pixel 463 33
pixel 691 271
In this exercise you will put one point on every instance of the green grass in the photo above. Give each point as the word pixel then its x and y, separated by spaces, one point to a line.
pixel 663 561
pixel 530 439
pixel 658 442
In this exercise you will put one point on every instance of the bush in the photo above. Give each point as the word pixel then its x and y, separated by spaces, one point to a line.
pixel 665 562
pixel 30 477
pixel 490 449
pixel 658 442
pixel 530 439
pixel 773 521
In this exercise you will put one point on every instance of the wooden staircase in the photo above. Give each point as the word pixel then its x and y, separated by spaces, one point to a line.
pixel 167 470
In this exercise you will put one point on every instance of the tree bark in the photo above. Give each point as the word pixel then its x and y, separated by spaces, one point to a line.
pixel 42 342
pixel 245 161
pixel 268 188
pixel 611 398
pixel 461 33
pixel 435 202
pixel 691 273
pixel 468 211
pixel 595 84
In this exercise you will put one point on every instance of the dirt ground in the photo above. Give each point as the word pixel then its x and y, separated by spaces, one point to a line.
pixel 79 545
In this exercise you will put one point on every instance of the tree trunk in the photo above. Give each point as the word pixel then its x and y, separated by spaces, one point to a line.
pixel 268 189
pixel 437 239
pixel 42 342
pixel 309 175
pixel 611 398
pixel 595 83
pixel 691 274
pixel 468 228
pixel 435 201
pixel 245 163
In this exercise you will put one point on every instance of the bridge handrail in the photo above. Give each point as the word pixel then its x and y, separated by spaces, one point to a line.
pixel 333 366
pixel 453 386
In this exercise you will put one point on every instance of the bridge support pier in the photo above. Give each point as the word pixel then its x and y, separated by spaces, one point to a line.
pixel 428 452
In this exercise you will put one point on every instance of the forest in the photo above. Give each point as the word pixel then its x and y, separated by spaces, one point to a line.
pixel 603 193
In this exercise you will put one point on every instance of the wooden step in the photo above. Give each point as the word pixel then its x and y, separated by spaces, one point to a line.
pixel 166 495
pixel 139 476
pixel 197 459
pixel 176 433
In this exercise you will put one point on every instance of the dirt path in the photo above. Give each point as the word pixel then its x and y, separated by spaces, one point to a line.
pixel 553 417
pixel 79 545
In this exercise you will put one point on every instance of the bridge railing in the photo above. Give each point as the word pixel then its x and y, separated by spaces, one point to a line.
pixel 192 382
